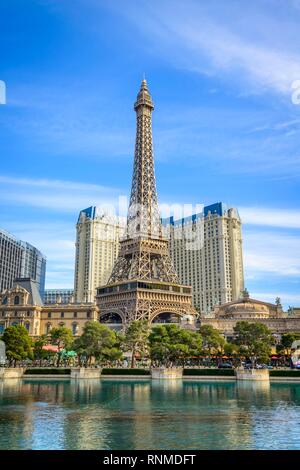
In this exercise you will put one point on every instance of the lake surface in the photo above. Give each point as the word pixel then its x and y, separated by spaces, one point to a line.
pixel 125 414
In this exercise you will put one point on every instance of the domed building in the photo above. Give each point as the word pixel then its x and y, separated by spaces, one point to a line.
pixel 225 316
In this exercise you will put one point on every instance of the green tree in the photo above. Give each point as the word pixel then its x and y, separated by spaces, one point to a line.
pixel 172 345
pixel 287 340
pixel 254 339
pixel 62 338
pixel 38 351
pixel 18 344
pixel 232 350
pixel 97 341
pixel 136 339
pixel 213 341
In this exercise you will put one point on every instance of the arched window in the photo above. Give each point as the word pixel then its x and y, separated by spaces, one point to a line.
pixel 110 318
pixel 166 317
pixel 74 329
pixel 48 328
pixel 27 326
pixel 14 323
pixel 2 328
pixel 4 301
pixel 16 300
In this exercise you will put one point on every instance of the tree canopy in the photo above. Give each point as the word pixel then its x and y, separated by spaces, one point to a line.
pixel 254 339
pixel 213 341
pixel 18 343
pixel 135 339
pixel 62 338
pixel 171 345
pixel 287 340
pixel 38 344
pixel 97 341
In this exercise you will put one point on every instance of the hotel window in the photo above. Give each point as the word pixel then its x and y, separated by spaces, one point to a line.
pixel 74 329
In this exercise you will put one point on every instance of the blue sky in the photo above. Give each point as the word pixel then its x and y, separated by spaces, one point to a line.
pixel 225 127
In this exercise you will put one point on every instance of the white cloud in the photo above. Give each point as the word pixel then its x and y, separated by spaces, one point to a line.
pixel 271 253
pixel 286 297
pixel 235 38
pixel 285 218
pixel 58 195
pixel 53 184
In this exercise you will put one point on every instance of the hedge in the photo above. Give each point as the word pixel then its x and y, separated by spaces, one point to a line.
pixel 285 373
pixel 125 372
pixel 224 372
pixel 48 371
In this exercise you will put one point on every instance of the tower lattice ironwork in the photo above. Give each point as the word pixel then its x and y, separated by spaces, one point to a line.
pixel 144 255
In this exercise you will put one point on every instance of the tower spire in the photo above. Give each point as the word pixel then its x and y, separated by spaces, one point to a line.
pixel 143 214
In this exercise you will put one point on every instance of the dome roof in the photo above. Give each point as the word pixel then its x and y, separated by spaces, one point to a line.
pixel 245 308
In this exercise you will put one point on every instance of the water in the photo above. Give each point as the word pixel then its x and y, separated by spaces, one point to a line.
pixel 125 414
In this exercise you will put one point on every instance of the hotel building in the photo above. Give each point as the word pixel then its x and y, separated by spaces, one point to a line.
pixel 206 250
pixel 20 259
pixel 97 245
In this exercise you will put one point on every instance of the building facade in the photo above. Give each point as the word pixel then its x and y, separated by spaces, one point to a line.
pixel 20 259
pixel 58 296
pixel 97 244
pixel 226 316
pixel 22 304
pixel 206 249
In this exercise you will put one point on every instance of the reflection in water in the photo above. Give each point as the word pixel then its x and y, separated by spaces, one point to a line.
pixel 260 390
pixel 111 414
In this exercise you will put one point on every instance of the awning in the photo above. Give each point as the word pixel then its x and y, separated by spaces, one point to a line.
pixel 51 348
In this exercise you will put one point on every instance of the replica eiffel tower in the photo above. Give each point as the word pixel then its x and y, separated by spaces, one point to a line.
pixel 143 283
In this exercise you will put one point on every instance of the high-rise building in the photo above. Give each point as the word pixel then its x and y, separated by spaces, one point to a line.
pixel 97 244
pixel 143 283
pixel 206 250
pixel 20 259
pixel 58 296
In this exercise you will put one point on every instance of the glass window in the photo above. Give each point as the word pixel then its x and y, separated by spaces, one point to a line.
pixel 74 329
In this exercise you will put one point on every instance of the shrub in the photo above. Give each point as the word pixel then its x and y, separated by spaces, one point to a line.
pixel 125 372
pixel 47 371
pixel 221 372
pixel 285 373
